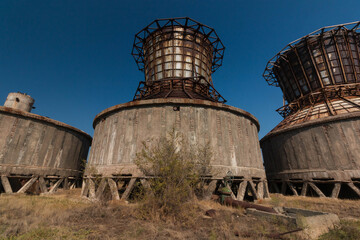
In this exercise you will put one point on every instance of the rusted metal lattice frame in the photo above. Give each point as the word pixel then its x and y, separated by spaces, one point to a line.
pixel 184 22
pixel 269 74
pixel 191 31
pixel 327 93
pixel 205 90
pixel 314 95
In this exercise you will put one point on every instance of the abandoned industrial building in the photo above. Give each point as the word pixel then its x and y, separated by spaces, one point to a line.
pixel 178 57
pixel 315 150
pixel 38 154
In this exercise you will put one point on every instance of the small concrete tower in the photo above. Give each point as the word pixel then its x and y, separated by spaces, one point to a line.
pixel 20 101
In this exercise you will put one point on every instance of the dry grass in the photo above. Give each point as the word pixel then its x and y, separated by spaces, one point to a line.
pixel 67 216
pixel 343 208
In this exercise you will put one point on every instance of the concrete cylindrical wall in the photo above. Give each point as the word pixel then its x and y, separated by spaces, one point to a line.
pixel 34 145
pixel 19 101
pixel 231 132
pixel 322 149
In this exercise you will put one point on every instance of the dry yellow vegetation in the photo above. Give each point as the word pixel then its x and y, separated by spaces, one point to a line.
pixel 65 215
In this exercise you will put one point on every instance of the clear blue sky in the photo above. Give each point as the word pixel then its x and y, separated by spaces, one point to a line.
pixel 74 57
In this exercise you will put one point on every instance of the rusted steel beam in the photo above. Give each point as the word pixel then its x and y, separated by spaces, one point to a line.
pixel 349 51
pixel 235 203
pixel 279 235
pixel 340 58
pixel 303 70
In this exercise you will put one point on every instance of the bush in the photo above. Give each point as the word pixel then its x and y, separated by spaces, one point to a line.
pixel 348 230
pixel 174 170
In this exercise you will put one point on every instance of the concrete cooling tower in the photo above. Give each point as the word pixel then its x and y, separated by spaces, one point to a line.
pixel 315 150
pixel 38 154
pixel 178 57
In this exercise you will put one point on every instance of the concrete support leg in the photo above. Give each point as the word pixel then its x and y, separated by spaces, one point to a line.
pixel 210 190
pixel 91 188
pixel 85 188
pixel 129 189
pixel 260 190
pixel 6 184
pixel 113 189
pixel 266 190
pixel 292 188
pixel 66 184
pixel 232 193
pixel 283 188
pixel 253 190
pixel 336 190
pixel 316 189
pixel 42 185
pixel 56 185
pixel 27 185
pixel 354 188
pixel 304 189
pixel 101 188
pixel 241 191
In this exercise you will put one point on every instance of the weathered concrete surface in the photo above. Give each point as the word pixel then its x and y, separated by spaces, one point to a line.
pixel 313 223
pixel 19 101
pixel 327 148
pixel 34 145
pixel 232 132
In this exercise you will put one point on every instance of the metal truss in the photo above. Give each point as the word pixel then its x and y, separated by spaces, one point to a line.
pixel 269 74
pixel 186 23
pixel 192 87
pixel 326 95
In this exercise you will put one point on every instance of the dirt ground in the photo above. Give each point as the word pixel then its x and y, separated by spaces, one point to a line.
pixel 65 215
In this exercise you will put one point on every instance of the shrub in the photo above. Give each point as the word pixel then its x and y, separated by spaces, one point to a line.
pixel 174 171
